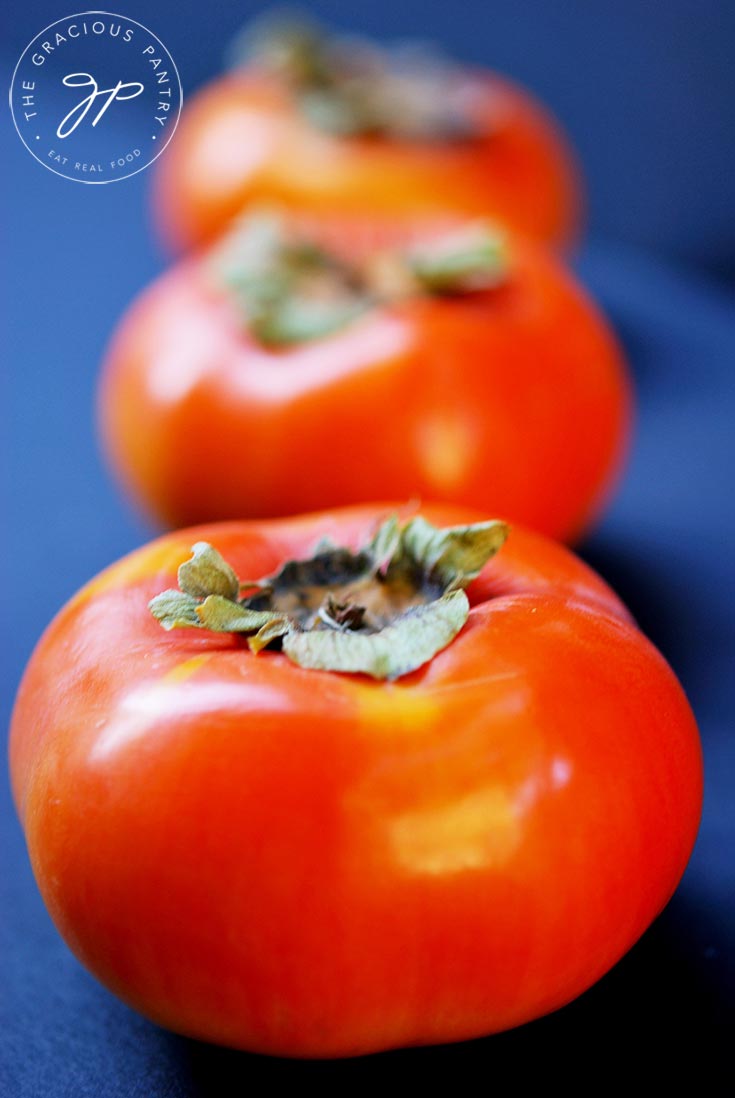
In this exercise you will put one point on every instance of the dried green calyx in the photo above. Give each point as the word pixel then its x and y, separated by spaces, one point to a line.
pixel 289 290
pixel 354 88
pixel 383 610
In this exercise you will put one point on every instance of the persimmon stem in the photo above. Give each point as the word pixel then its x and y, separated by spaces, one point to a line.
pixel 383 610
pixel 356 88
pixel 289 290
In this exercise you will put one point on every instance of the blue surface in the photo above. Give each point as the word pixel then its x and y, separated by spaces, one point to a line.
pixel 74 256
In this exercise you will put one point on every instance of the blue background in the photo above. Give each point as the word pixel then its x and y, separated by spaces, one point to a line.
pixel 647 93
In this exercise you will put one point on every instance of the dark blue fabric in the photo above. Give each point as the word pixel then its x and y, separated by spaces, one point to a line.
pixel 75 256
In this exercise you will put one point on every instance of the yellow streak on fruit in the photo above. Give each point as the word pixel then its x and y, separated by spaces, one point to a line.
pixel 396 709
pixel 184 670
pixel 163 558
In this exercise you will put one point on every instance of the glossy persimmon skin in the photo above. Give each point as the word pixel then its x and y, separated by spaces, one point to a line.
pixel 312 864
pixel 514 400
pixel 242 140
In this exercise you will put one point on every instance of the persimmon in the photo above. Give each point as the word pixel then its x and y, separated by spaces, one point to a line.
pixel 272 376
pixel 293 822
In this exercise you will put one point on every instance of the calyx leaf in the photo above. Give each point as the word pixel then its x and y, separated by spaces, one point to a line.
pixel 404 646
pixel 457 553
pixel 472 258
pixel 383 610
pixel 207 573
pixel 223 615
pixel 175 610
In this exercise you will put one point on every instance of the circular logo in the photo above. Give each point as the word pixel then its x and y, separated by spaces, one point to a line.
pixel 95 97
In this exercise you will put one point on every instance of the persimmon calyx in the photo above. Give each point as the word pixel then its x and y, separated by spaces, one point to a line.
pixel 351 87
pixel 383 610
pixel 289 290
